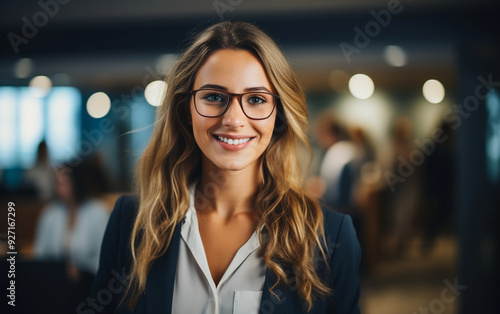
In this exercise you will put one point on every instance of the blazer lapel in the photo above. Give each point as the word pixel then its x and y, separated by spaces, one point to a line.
pixel 269 304
pixel 161 278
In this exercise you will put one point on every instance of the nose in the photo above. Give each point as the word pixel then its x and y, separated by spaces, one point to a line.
pixel 234 115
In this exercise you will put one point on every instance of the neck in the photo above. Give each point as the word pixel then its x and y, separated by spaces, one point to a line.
pixel 226 192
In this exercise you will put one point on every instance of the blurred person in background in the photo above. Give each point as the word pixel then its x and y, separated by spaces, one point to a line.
pixel 403 199
pixel 339 186
pixel 335 169
pixel 71 228
pixel 346 152
pixel 42 175
pixel 327 133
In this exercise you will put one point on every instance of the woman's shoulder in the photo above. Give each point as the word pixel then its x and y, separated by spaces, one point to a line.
pixel 344 258
pixel 121 220
pixel 119 227
pixel 125 209
pixel 340 232
pixel 334 220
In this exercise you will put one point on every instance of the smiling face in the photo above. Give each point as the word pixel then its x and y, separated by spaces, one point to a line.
pixel 234 71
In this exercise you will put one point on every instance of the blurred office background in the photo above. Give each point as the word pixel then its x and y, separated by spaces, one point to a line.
pixel 404 101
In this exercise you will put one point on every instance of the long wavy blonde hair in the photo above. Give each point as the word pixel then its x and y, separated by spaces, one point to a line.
pixel 293 222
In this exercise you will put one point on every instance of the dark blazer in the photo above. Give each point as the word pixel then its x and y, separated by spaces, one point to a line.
pixel 110 282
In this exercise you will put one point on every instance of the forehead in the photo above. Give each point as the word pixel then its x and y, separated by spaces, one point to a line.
pixel 233 69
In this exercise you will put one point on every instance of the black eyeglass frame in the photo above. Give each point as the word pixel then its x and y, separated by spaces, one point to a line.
pixel 276 98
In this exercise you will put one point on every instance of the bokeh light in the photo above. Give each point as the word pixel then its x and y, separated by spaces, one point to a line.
pixel 98 105
pixel 433 91
pixel 40 86
pixel 361 86
pixel 23 68
pixel 395 56
pixel 154 92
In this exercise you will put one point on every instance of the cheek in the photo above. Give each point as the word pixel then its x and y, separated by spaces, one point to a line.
pixel 266 128
pixel 197 131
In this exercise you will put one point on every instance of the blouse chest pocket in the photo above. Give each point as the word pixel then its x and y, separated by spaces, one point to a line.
pixel 247 302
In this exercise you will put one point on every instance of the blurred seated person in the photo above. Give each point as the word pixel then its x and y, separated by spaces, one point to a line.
pixel 72 227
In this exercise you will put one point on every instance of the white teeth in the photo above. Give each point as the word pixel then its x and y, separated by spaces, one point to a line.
pixel 233 141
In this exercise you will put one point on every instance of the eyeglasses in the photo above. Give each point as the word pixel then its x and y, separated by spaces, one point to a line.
pixel 212 103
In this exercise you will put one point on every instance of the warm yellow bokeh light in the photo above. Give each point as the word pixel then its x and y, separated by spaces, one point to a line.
pixel 433 91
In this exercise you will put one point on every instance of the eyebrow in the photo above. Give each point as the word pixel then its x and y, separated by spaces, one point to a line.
pixel 248 89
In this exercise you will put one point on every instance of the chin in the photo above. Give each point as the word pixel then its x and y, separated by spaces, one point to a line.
pixel 232 165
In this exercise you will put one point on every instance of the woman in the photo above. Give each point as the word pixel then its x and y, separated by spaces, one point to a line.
pixel 223 224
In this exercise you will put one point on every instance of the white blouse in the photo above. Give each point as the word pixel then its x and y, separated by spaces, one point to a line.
pixel 239 290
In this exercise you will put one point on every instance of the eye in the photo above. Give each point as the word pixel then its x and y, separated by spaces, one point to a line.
pixel 256 99
pixel 214 97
